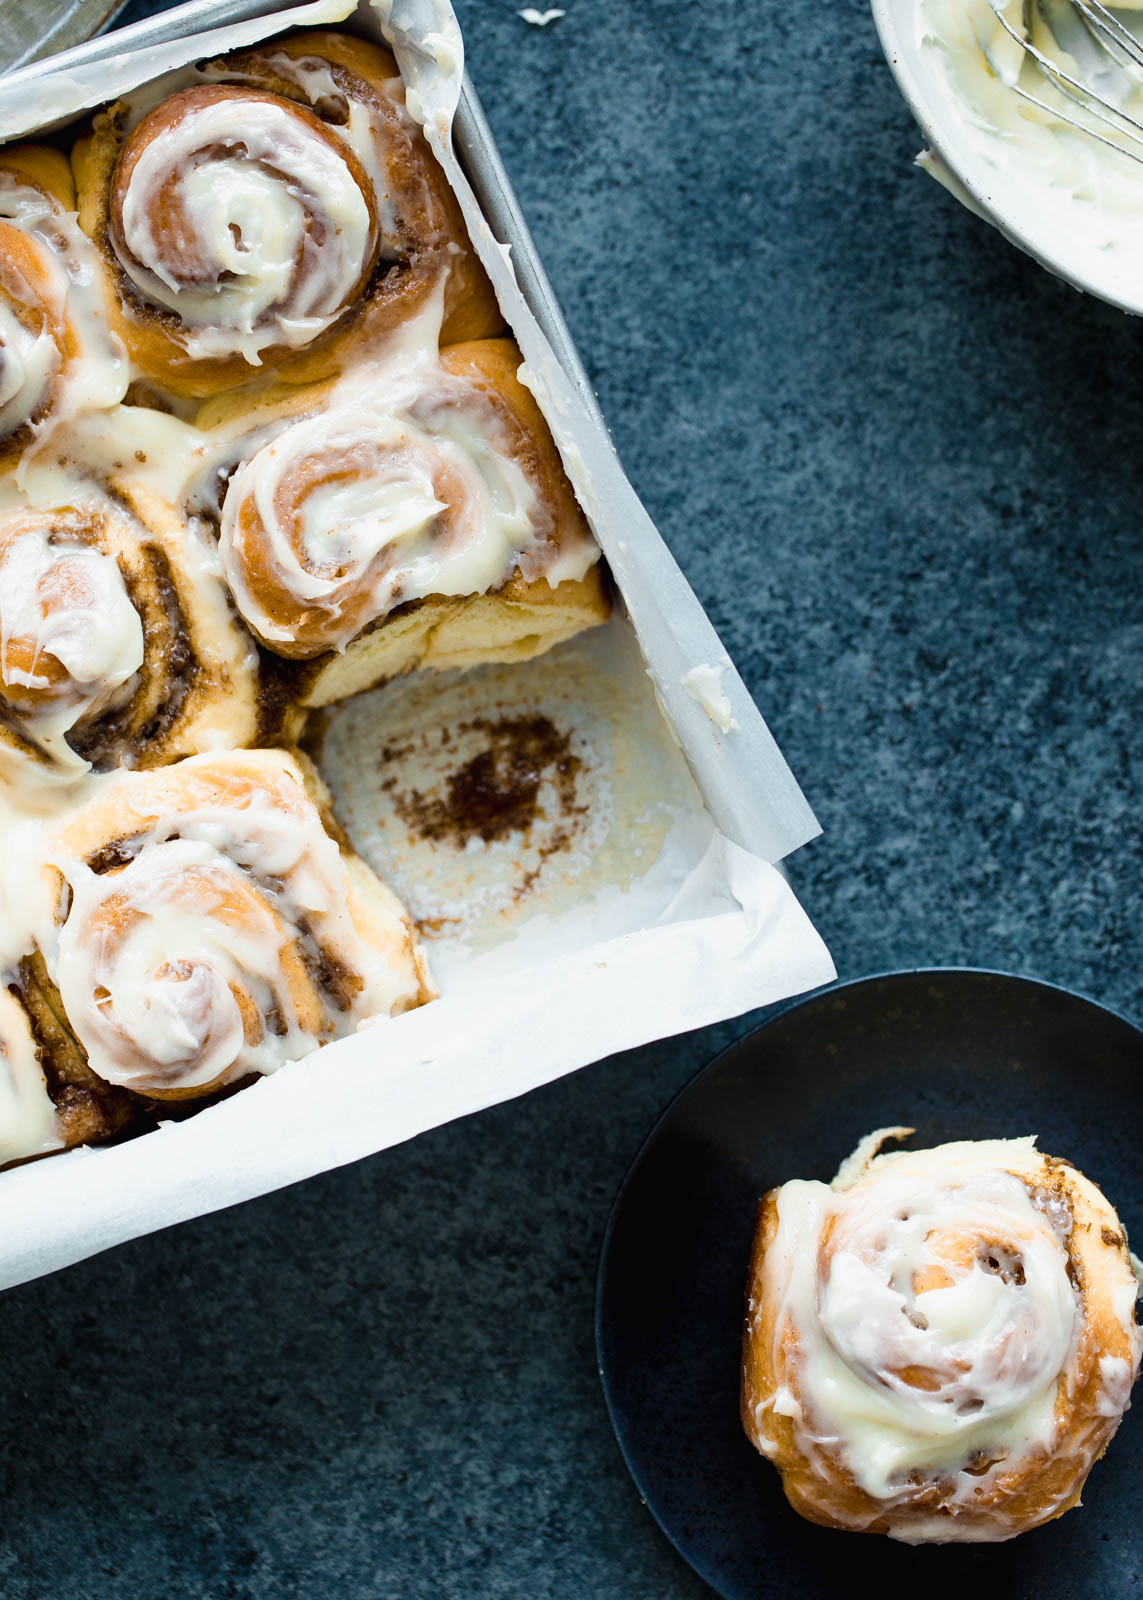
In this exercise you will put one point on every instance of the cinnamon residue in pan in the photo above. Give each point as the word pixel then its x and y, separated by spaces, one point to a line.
pixel 495 792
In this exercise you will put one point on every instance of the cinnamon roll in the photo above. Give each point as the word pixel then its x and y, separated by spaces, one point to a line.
pixel 276 208
pixel 199 925
pixel 421 520
pixel 941 1343
pixel 55 350
pixel 118 646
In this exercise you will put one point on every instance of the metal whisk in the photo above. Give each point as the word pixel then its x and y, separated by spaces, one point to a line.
pixel 1107 54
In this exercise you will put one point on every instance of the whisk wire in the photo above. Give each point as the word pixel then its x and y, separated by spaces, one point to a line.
pixel 1107 30
pixel 1104 30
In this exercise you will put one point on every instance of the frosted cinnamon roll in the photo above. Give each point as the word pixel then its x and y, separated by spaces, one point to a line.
pixel 278 205
pixel 424 520
pixel 941 1343
pixel 56 354
pixel 118 645
pixel 200 924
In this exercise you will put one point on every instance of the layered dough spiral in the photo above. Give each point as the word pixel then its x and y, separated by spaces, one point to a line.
pixel 421 520
pixel 939 1345
pixel 277 204
pixel 201 924
pixel 56 352
pixel 118 645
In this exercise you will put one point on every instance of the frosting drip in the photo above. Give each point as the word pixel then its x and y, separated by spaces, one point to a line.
pixel 27 1115
pixel 245 216
pixel 29 358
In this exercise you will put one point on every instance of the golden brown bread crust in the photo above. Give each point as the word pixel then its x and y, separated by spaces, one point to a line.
pixel 514 623
pixel 432 238
pixel 819 1481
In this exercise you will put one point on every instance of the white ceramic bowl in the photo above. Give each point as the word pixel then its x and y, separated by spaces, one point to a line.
pixel 1066 234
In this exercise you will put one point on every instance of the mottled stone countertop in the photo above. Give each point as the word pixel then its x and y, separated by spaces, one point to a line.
pixel 900 465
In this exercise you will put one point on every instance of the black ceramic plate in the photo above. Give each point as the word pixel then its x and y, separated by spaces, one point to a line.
pixel 957 1055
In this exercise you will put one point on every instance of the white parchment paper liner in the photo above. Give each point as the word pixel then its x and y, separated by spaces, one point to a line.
pixel 720 934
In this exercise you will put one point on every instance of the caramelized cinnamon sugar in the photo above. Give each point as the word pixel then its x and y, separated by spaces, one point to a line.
pixel 495 792
pixel 116 853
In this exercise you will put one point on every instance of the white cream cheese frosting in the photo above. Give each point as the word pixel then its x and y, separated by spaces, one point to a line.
pixel 27 1115
pixel 29 360
pixel 276 232
pixel 158 964
pixel 993 1348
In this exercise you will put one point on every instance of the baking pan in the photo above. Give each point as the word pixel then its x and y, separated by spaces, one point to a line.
pixel 678 917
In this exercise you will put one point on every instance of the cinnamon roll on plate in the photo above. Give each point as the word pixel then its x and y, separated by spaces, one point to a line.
pixel 420 520
pixel 270 211
pixel 965 1055
pixel 196 926
pixel 939 1344
pixel 118 644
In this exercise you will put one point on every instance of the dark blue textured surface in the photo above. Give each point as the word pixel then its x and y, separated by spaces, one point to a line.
pixel 901 467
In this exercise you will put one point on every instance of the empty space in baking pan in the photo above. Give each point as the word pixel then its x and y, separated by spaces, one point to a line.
pixel 491 798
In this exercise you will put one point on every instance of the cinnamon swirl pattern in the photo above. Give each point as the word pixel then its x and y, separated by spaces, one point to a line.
pixel 278 204
pixel 941 1344
pixel 199 925
pixel 56 354
pixel 117 644
pixel 434 487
